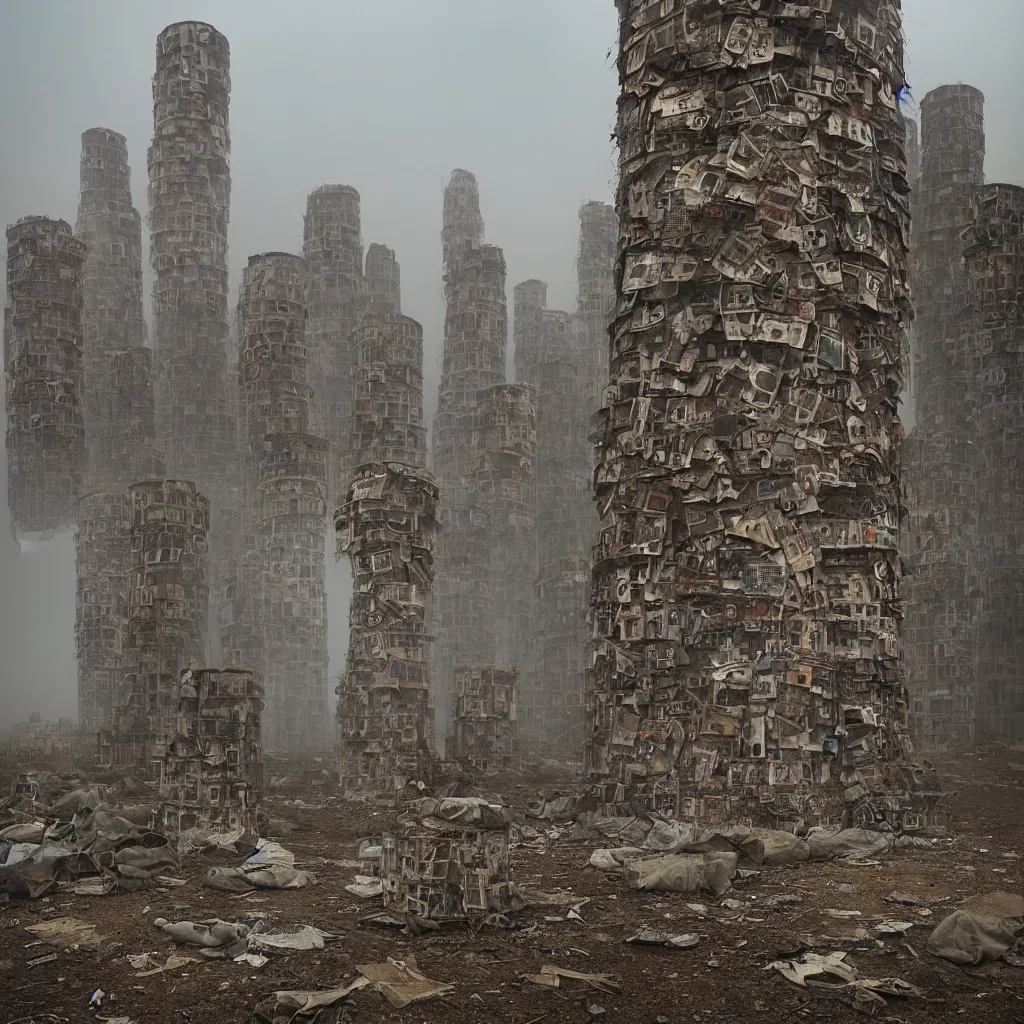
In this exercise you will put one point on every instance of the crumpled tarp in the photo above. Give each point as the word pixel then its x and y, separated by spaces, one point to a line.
pixel 851 843
pixel 270 867
pixel 612 860
pixel 286 1006
pixel 401 983
pixel 756 846
pixel 710 872
pixel 96 843
pixel 984 928
pixel 301 936
pixel 830 974
pixel 470 812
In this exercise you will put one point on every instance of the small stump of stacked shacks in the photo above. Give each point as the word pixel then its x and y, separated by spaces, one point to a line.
pixel 449 862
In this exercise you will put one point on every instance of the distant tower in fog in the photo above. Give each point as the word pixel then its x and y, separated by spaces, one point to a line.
pixel 942 465
pixel 333 248
pixel 46 453
pixel 189 205
pixel 285 510
pixel 120 421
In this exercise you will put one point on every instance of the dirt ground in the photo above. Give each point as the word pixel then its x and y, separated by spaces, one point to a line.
pixel 721 980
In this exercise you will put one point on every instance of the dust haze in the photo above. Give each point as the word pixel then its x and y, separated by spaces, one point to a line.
pixel 388 98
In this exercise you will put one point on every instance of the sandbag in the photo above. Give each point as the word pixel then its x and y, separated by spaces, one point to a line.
pixel 853 843
pixel 711 872
pixel 612 860
pixel 984 928
pixel 628 830
pixel 243 879
pixel 782 847
pixel 668 836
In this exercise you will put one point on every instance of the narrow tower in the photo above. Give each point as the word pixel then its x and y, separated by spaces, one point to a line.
pixel 189 201
pixel 940 637
pixel 46 453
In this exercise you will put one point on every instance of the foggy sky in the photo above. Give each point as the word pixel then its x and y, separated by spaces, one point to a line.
pixel 388 97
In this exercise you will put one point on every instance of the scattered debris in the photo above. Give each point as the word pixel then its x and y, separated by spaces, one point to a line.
pixel 285 1006
pixel 401 983
pixel 145 960
pixel 652 937
pixel 892 927
pixel 66 933
pixel 550 977
pixel 709 872
pixel 832 975
pixel 984 928
pixel 365 887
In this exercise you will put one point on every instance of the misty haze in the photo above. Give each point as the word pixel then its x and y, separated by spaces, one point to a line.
pixel 493 486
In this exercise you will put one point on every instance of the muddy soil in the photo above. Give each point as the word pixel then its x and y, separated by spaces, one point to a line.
pixel 721 980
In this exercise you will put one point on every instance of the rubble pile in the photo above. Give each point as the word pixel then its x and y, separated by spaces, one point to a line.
pixel 746 586
pixel 76 844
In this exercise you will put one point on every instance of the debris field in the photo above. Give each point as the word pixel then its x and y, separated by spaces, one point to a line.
pixel 577 921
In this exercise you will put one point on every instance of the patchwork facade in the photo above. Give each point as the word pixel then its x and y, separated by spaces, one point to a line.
pixel 168 601
pixel 475 342
pixel 46 452
pixel 102 564
pixel 387 530
pixel 485 718
pixel 746 586
pixel 290 540
pixel 120 419
pixel 504 489
pixel 211 776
